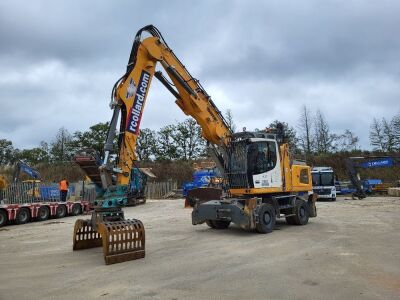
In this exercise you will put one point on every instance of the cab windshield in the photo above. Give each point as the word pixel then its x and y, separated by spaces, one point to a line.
pixel 323 179
pixel 255 157
pixel 261 157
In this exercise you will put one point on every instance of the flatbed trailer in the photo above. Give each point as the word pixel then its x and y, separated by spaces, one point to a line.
pixel 21 213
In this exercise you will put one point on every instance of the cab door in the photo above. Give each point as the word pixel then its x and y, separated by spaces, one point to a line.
pixel 301 178
pixel 266 168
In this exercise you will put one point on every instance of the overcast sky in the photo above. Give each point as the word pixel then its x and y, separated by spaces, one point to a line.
pixel 261 59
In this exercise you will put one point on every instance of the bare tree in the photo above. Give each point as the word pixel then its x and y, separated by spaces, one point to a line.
pixel 61 149
pixel 346 141
pixel 304 127
pixel 229 120
pixel 322 135
pixel 388 135
pixel 376 136
pixel 396 131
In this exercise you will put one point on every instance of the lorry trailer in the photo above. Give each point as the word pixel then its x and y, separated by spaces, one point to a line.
pixel 40 211
pixel 23 202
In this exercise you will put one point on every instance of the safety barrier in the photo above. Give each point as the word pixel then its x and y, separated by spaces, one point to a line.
pixel 34 192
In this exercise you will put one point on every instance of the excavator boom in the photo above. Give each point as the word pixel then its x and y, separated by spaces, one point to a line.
pixel 130 93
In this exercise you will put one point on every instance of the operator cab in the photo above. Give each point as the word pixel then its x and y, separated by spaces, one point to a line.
pixel 253 161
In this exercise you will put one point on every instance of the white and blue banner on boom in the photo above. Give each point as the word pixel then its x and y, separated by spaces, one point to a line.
pixel 378 163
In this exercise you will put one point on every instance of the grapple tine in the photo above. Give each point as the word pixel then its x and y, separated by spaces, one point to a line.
pixel 122 240
pixel 84 236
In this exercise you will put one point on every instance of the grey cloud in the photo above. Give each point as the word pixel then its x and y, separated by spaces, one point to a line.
pixel 310 38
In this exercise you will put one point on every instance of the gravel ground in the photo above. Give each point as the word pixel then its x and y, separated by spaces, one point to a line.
pixel 350 251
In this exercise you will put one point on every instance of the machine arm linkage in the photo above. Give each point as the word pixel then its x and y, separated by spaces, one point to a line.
pixel 355 163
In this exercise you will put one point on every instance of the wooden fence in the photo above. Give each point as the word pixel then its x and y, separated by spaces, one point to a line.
pixel 159 190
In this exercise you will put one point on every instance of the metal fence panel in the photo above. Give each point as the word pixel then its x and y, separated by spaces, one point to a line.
pixel 33 192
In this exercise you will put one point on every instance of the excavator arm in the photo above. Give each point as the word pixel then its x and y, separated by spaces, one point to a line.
pixel 24 168
pixel 129 97
pixel 353 164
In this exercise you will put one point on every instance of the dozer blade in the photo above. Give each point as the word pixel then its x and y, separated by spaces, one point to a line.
pixel 121 240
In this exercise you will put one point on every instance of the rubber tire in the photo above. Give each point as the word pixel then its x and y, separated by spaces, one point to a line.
pixel 3 218
pixel 301 214
pixel 61 211
pixel 218 224
pixel 43 213
pixel 221 224
pixel 23 216
pixel 210 224
pixel 333 199
pixel 76 209
pixel 191 201
pixel 263 226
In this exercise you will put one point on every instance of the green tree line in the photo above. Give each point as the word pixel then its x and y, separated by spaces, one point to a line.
pixel 180 141
pixel 183 141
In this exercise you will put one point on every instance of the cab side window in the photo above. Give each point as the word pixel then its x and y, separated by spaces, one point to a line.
pixel 261 162
pixel 304 178
pixel 272 155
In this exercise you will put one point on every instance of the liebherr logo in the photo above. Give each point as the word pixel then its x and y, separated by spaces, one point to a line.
pixel 136 111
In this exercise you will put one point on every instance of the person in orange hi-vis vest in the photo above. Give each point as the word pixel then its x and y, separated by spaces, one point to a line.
pixel 63 186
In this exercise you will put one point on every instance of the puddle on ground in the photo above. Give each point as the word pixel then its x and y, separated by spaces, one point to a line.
pixel 55 222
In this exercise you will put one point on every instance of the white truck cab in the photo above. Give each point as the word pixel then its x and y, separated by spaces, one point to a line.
pixel 323 180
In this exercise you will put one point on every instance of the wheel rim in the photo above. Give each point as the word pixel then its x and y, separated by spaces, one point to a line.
pixel 267 218
pixel 23 216
pixel 2 219
pixel 60 210
pixel 43 213
pixel 302 212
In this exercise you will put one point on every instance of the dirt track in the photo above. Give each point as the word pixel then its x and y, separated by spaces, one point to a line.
pixel 350 251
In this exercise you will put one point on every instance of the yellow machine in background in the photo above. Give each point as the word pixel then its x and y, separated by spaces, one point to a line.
pixel 261 181
pixel 3 182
